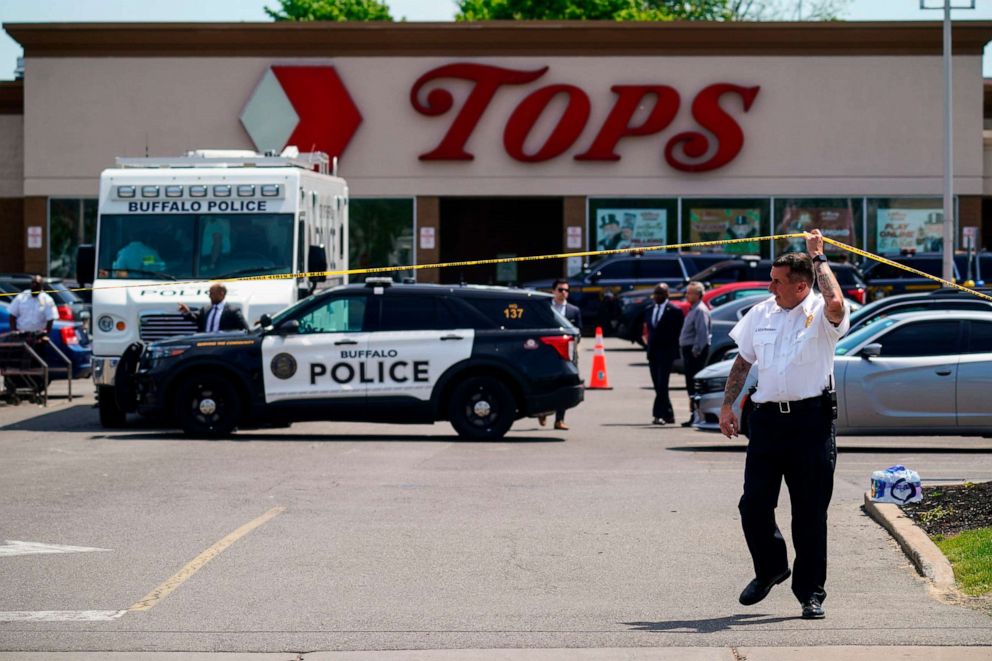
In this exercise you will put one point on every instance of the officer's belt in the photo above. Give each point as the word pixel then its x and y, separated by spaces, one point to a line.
pixel 797 406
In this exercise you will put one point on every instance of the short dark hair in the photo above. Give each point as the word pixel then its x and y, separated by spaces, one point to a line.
pixel 799 264
pixel 558 281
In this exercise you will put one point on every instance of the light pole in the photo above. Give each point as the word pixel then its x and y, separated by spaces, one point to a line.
pixel 948 134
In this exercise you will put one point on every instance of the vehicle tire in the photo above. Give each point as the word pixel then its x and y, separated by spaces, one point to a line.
pixel 207 406
pixel 111 415
pixel 482 408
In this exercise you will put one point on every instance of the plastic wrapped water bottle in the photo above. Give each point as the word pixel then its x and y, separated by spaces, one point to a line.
pixel 896 484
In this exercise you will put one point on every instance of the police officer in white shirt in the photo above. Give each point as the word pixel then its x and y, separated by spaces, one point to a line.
pixel 791 338
pixel 33 309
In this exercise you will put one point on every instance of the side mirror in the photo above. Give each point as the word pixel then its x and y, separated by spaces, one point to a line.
pixel 265 321
pixel 873 350
pixel 85 264
pixel 317 261
pixel 291 327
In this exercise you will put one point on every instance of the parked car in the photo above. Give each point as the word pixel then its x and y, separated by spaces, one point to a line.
pixel 887 280
pixel 594 290
pixel 907 374
pixel 70 306
pixel 746 268
pixel 71 339
pixel 941 299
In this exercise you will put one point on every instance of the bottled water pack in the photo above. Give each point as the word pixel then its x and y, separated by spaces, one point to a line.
pixel 896 484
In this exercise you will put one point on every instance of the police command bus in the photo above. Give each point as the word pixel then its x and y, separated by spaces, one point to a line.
pixel 479 357
pixel 209 215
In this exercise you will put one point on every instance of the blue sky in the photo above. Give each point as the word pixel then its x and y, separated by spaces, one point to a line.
pixel 414 10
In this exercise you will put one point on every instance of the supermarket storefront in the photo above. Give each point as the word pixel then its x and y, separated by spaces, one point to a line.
pixel 477 140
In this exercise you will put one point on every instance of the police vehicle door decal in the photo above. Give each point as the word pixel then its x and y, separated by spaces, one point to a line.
pixel 409 363
pixel 415 342
pixel 325 359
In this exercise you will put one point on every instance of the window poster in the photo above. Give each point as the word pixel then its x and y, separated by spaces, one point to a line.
pixel 720 224
pixel 628 228
pixel 921 230
pixel 836 223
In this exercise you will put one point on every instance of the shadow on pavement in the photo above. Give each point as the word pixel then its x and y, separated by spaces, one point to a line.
pixel 858 449
pixel 709 625
pixel 79 417
pixel 243 437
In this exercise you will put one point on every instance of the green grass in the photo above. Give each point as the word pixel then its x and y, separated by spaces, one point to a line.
pixel 970 553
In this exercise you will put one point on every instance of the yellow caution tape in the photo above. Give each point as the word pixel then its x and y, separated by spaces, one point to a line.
pixel 534 258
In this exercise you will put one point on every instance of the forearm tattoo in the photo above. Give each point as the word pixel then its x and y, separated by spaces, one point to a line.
pixel 735 382
pixel 827 281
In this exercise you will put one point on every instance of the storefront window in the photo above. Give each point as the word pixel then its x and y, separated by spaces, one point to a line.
pixel 897 225
pixel 722 219
pixel 72 221
pixel 380 233
pixel 838 218
pixel 631 222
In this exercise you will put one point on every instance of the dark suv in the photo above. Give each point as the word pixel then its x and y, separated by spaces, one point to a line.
pixel 754 269
pixel 594 290
pixel 480 357
pixel 69 305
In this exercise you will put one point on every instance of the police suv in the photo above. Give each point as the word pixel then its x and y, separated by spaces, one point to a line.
pixel 480 357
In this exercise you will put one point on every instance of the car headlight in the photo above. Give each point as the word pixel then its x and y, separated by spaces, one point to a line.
pixel 158 354
pixel 714 385
pixel 105 323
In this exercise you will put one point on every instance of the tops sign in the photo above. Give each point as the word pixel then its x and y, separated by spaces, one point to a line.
pixel 690 151
pixel 310 107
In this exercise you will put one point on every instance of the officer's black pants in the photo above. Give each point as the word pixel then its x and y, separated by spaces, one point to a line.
pixel 800 447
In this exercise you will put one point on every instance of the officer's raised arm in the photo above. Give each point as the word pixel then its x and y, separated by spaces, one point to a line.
pixel 729 424
pixel 833 297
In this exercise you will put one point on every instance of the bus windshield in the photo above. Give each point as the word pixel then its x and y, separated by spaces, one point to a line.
pixel 194 246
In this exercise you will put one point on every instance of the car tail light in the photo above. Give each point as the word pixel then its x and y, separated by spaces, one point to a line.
pixel 561 343
pixel 65 313
pixel 69 335
pixel 858 294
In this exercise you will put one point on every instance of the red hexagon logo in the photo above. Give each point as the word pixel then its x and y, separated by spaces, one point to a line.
pixel 308 107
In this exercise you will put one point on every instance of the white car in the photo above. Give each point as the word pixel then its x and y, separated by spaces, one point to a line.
pixel 918 373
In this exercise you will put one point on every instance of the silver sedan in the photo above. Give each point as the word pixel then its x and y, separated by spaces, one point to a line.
pixel 919 373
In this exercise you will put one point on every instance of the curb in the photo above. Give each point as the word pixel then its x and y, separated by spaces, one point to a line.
pixel 928 559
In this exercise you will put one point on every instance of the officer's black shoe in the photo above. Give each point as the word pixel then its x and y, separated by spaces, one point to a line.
pixel 757 589
pixel 813 610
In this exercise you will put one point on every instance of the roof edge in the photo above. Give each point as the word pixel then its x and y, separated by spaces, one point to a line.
pixel 549 38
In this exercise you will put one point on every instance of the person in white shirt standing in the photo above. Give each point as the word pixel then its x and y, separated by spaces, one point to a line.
pixel 791 338
pixel 559 288
pixel 33 309
pixel 218 316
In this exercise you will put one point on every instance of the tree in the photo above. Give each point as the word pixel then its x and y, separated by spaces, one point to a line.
pixel 330 10
pixel 649 10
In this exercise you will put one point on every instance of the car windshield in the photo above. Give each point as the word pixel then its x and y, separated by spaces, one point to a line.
pixel 847 344
pixel 186 246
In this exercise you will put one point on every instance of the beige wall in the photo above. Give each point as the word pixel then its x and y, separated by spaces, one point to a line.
pixel 820 125
pixel 11 155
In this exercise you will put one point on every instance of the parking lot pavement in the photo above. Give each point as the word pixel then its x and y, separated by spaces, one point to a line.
pixel 614 534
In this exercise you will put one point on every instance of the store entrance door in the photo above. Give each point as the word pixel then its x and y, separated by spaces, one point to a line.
pixel 491 227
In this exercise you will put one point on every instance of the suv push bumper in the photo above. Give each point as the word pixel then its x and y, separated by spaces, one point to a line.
pixel 562 398
pixel 104 369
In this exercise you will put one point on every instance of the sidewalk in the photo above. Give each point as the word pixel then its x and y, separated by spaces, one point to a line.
pixel 843 653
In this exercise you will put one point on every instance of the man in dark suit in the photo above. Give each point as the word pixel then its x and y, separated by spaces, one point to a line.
pixel 572 313
pixel 218 316
pixel 664 326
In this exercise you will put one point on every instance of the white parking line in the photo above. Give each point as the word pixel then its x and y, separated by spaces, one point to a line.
pixel 60 616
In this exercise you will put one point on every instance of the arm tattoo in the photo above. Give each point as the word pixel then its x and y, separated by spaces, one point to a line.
pixel 827 281
pixel 735 382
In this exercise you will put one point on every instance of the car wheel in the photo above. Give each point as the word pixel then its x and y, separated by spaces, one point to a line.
pixel 207 406
pixel 482 408
pixel 111 415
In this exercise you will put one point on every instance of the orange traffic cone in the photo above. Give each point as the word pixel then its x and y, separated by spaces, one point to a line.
pixel 598 380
